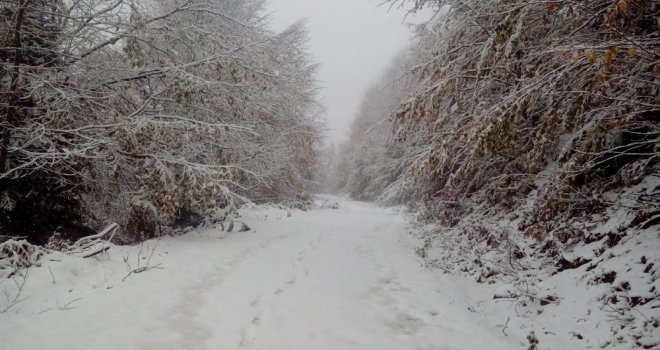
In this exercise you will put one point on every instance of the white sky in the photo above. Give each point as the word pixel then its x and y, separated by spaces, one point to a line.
pixel 353 41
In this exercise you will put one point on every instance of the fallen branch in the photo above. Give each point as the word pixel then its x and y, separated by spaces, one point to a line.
pixel 140 270
pixel 96 252
pixel 89 241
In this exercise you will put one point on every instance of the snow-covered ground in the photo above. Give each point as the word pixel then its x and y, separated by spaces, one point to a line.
pixel 345 278
pixel 322 279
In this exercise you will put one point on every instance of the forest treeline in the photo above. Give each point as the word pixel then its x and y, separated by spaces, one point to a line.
pixel 541 116
pixel 151 114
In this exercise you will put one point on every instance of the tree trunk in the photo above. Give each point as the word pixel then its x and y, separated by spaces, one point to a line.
pixel 10 117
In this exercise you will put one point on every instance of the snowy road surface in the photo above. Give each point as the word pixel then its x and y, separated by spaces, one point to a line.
pixel 322 279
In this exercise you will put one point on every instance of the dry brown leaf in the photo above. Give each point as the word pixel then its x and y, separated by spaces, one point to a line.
pixel 622 6
pixel 591 56
pixel 610 56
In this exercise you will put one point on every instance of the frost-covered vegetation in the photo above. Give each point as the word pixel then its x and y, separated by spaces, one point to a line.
pixel 523 135
pixel 529 143
pixel 151 114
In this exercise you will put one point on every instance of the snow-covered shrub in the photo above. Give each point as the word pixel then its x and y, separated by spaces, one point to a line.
pixel 15 255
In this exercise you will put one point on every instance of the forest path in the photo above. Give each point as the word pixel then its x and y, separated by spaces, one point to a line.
pixel 332 279
pixel 325 279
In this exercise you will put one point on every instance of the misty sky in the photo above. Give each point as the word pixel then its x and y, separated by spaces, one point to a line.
pixel 353 40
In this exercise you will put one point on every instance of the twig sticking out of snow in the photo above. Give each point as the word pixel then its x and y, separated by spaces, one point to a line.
pixel 505 326
pixel 51 274
pixel 11 302
pixel 143 268
pixel 67 306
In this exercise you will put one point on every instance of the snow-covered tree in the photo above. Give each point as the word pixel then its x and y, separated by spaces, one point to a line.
pixel 511 88
pixel 149 112
pixel 369 162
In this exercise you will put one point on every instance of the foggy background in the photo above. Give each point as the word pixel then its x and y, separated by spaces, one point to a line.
pixel 353 41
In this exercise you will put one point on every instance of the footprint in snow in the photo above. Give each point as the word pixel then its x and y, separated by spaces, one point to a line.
pixel 406 323
pixel 248 336
pixel 256 320
pixel 289 284
pixel 386 279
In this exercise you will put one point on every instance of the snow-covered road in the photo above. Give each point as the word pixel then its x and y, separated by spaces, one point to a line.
pixel 335 279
